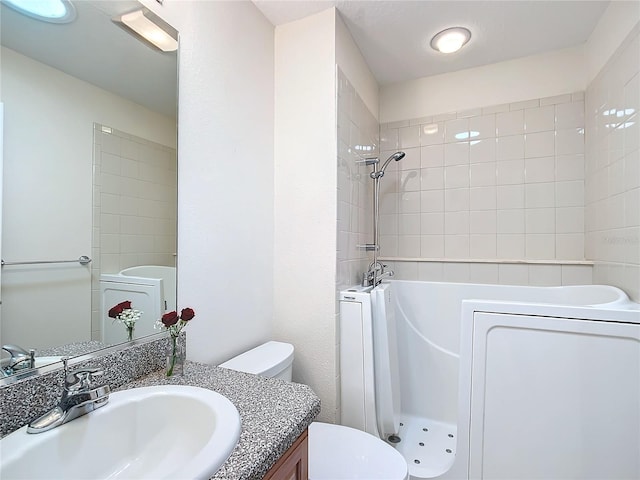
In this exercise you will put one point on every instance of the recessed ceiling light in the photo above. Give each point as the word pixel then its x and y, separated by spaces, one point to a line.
pixel 450 40
pixel 52 11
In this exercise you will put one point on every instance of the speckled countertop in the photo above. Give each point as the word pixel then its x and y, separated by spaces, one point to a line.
pixel 274 414
pixel 72 349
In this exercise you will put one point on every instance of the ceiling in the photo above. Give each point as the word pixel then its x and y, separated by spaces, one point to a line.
pixel 393 35
pixel 98 51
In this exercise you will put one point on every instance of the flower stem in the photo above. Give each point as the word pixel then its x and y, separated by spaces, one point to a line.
pixel 172 361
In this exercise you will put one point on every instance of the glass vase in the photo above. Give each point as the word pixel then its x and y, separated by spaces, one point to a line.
pixel 130 333
pixel 176 355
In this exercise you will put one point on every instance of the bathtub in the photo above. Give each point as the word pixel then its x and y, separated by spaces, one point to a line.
pixel 460 346
pixel 150 288
pixel 168 276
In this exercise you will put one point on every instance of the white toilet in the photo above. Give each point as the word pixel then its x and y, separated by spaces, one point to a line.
pixel 335 452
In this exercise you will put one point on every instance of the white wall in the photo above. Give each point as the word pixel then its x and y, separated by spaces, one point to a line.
pixel 613 27
pixel 48 147
pixel 355 68
pixel 225 174
pixel 310 262
pixel 536 76
pixel 502 182
pixel 496 186
pixel 305 200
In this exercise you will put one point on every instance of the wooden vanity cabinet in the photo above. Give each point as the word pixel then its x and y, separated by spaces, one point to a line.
pixel 294 464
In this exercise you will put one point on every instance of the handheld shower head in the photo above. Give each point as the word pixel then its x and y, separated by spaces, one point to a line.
pixel 396 156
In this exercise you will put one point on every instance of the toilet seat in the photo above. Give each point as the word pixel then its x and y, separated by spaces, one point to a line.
pixel 337 452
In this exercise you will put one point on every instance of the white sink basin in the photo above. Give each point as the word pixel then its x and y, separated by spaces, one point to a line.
pixel 166 431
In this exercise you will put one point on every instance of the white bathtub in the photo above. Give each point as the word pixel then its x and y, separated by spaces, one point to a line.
pixel 440 326
pixel 150 288
pixel 167 274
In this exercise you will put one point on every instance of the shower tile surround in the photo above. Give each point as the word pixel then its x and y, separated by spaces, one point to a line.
pixel 612 183
pixel 134 207
pixel 491 195
pixel 357 133
pixel 274 413
pixel 357 140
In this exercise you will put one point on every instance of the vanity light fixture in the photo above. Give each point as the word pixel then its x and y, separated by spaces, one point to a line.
pixel 451 39
pixel 147 26
pixel 52 11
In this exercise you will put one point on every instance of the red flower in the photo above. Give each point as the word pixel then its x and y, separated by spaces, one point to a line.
pixel 187 314
pixel 119 308
pixel 170 318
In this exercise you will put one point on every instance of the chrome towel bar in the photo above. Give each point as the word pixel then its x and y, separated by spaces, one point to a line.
pixel 83 260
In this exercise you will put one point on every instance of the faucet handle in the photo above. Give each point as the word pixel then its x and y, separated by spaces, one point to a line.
pixel 82 378
pixel 15 350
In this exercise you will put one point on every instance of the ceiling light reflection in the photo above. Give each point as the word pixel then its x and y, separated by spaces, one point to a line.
pixel 466 135
pixel 52 11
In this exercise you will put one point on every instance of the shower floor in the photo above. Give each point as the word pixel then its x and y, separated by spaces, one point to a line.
pixel 428 446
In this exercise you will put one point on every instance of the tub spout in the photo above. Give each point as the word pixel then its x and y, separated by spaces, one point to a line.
pixel 375 274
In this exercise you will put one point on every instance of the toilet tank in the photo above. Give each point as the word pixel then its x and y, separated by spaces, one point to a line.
pixel 271 359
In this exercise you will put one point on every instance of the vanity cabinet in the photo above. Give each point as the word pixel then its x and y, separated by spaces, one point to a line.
pixel 294 464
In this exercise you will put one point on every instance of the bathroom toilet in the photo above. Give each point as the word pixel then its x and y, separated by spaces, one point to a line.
pixel 344 453
pixel 336 452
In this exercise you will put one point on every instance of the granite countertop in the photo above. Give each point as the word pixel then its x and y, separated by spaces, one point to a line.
pixel 72 349
pixel 274 413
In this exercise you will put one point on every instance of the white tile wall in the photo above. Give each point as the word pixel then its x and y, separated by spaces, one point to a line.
pixel 494 273
pixel 358 132
pixel 503 182
pixel 612 166
pixel 565 186
pixel 135 206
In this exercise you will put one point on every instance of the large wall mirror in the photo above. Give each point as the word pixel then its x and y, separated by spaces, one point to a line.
pixel 89 170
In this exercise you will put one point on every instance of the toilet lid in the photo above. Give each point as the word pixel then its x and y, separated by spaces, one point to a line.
pixel 267 359
pixel 343 453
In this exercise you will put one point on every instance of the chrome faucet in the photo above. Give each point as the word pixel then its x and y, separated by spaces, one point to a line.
pixel 79 397
pixel 20 359
pixel 375 274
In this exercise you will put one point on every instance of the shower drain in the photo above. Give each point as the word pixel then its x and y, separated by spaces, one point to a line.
pixel 394 439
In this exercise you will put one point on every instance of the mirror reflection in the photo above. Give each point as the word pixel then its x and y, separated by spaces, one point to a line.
pixel 89 170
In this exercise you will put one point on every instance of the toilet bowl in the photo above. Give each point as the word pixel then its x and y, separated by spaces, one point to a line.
pixel 344 453
pixel 336 452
